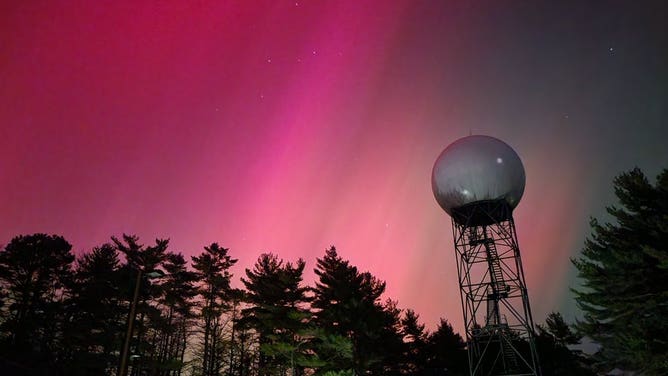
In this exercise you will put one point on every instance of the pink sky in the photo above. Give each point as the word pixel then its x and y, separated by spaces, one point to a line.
pixel 287 127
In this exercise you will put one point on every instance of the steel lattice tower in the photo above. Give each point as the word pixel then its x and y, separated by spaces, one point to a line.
pixel 495 303
pixel 478 181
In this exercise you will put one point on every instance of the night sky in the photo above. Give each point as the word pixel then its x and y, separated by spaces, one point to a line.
pixel 290 126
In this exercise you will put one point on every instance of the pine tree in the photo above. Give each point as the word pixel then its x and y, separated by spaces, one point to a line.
pixel 212 269
pixel 385 338
pixel 556 358
pixel 143 266
pixel 446 351
pixel 415 340
pixel 277 312
pixel 96 318
pixel 177 303
pixel 238 336
pixel 35 271
pixel 557 328
pixel 347 304
pixel 624 270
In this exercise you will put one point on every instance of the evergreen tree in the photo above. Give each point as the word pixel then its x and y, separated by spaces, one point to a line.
pixel 238 336
pixel 35 271
pixel 552 343
pixel 347 304
pixel 384 336
pixel 177 304
pixel 415 340
pixel 96 318
pixel 333 352
pixel 212 269
pixel 624 269
pixel 143 266
pixel 556 327
pixel 277 313
pixel 446 351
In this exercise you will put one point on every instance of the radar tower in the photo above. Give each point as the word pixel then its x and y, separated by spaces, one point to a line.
pixel 478 181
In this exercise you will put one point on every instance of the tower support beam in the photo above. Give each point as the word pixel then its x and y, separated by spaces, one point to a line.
pixel 495 303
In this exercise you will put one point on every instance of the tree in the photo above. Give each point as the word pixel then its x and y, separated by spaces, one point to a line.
pixel 556 358
pixel 277 312
pixel 446 351
pixel 95 316
pixel 624 273
pixel 35 271
pixel 239 338
pixel 212 269
pixel 556 327
pixel 140 263
pixel 177 303
pixel 347 303
pixel 384 337
pixel 415 340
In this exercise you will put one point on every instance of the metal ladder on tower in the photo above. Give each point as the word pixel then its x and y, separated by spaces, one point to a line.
pixel 509 355
pixel 498 283
pixel 500 290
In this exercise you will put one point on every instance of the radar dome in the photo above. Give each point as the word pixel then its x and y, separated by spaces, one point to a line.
pixel 477 168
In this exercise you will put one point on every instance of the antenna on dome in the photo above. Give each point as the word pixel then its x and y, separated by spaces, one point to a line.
pixel 478 181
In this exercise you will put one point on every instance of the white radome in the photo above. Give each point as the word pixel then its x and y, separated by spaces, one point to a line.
pixel 477 168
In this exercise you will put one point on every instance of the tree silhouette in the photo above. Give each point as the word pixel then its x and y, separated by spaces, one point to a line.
pixel 556 358
pixel 239 338
pixel 177 303
pixel 347 304
pixel 95 316
pixel 415 339
pixel 624 269
pixel 140 262
pixel 60 320
pixel 557 328
pixel 35 271
pixel 212 269
pixel 446 351
pixel 277 312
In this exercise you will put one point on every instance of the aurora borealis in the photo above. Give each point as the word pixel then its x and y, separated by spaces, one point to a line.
pixel 290 126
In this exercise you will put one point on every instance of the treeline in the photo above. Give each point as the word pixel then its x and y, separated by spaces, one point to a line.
pixel 62 315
